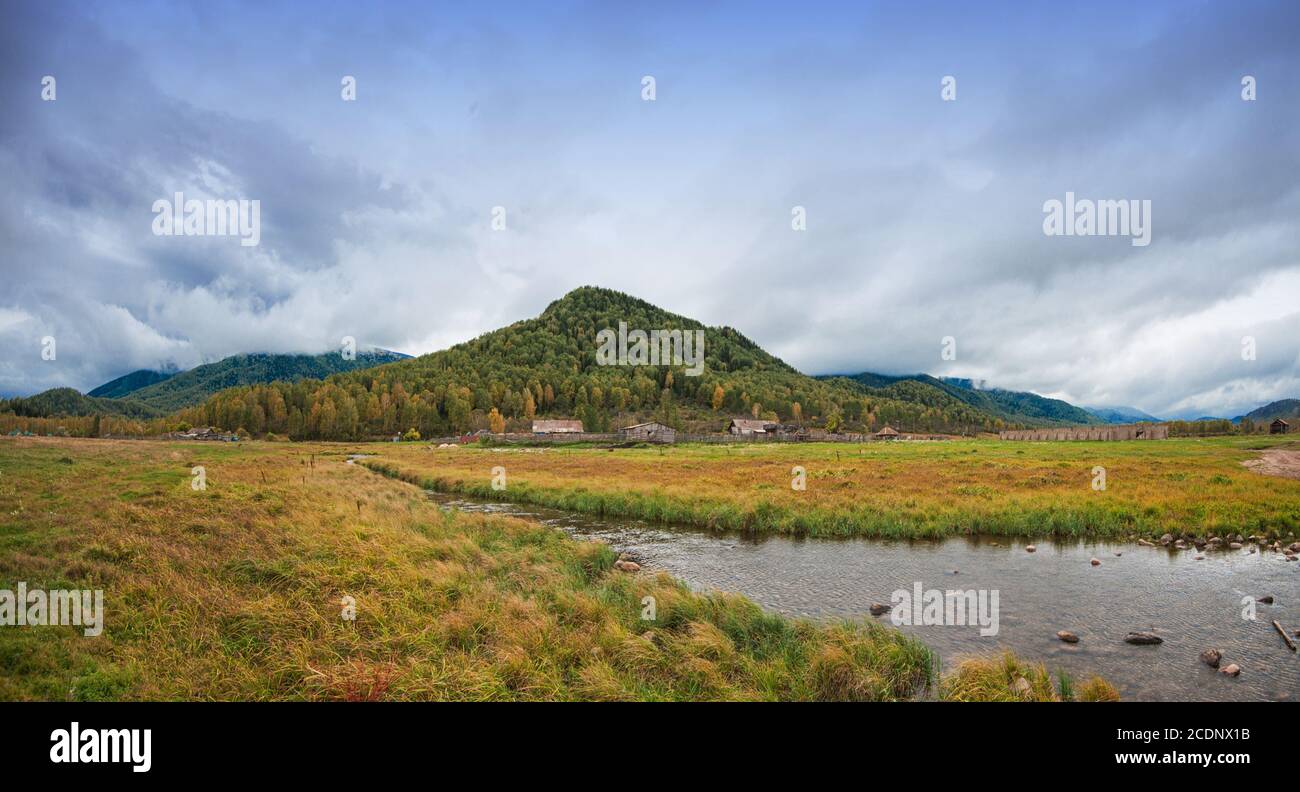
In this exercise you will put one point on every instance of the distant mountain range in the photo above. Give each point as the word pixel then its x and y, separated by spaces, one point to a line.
pixel 171 393
pixel 150 394
pixel 1121 415
pixel 1286 409
pixel 1010 406
pixel 547 366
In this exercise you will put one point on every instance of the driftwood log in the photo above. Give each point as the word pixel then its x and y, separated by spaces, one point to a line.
pixel 1277 626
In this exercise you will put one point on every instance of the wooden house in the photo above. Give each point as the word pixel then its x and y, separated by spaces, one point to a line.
pixel 751 426
pixel 652 432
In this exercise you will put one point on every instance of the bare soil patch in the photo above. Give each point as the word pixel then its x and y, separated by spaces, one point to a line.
pixel 1276 462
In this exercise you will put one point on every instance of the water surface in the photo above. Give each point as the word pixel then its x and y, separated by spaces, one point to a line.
pixel 1193 605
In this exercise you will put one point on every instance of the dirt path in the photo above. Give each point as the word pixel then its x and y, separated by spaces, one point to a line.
pixel 1276 462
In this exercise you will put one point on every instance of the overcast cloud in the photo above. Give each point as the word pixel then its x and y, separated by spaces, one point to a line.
pixel 924 216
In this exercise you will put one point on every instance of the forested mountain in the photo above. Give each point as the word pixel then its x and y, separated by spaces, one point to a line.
pixel 151 394
pixel 192 387
pixel 1013 407
pixel 1286 409
pixel 67 401
pixel 129 383
pixel 547 367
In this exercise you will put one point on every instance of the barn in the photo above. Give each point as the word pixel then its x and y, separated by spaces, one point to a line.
pixel 1279 426
pixel 652 432
pixel 888 433
pixel 751 426
pixel 557 427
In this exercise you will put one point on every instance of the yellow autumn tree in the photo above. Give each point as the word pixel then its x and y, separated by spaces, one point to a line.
pixel 495 422
pixel 718 396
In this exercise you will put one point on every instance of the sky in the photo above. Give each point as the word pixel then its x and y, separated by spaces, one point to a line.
pixel 924 211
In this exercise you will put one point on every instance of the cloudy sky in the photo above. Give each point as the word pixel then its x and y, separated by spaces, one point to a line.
pixel 924 216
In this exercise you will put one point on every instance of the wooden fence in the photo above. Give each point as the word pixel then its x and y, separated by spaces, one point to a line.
pixel 1107 432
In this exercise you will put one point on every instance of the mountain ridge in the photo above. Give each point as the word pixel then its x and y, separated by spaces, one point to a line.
pixel 548 366
pixel 1011 406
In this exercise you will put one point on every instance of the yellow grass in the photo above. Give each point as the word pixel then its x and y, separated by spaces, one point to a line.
pixel 236 592
pixel 889 489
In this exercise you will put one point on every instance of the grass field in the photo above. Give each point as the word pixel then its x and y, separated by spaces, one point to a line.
pixel 235 592
pixel 899 489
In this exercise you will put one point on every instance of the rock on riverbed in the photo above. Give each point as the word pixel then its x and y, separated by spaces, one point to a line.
pixel 1067 636
pixel 877 609
pixel 1211 657
pixel 1143 638
pixel 1231 669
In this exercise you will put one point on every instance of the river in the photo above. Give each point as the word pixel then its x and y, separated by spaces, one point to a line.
pixel 1193 605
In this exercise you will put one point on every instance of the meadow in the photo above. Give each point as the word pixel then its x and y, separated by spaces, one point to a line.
pixel 237 591
pixel 901 489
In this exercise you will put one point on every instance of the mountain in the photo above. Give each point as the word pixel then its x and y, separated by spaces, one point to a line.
pixel 67 401
pixel 1016 407
pixel 547 366
pixel 189 388
pixel 1121 415
pixel 1286 409
pixel 167 393
pixel 129 383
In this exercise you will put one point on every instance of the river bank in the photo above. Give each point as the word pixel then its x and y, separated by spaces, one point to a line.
pixel 270 571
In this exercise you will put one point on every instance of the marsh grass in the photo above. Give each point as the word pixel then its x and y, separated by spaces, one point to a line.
pixel 995 679
pixel 236 592
pixel 894 490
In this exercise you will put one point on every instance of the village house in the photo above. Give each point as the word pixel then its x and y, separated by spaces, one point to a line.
pixel 557 427
pixel 1279 426
pixel 751 426
pixel 203 433
pixel 887 433
pixel 652 432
